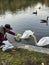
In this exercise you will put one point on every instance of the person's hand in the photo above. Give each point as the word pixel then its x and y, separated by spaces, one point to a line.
pixel 15 38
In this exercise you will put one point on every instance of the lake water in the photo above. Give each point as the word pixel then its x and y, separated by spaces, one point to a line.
pixel 23 19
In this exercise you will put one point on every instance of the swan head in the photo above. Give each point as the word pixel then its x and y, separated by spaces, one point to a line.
pixel 27 34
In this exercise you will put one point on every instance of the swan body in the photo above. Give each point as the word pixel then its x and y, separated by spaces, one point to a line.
pixel 43 41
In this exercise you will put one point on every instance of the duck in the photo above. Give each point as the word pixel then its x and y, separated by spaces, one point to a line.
pixel 35 12
pixel 39 8
pixel 45 21
pixel 42 42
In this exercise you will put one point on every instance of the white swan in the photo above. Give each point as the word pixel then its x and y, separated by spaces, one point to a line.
pixel 42 42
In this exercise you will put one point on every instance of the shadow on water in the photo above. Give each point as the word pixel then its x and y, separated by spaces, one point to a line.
pixel 29 41
pixel 47 46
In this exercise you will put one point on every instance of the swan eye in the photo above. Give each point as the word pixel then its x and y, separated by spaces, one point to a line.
pixel 30 36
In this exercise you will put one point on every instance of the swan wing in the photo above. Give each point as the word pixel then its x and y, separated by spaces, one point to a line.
pixel 43 41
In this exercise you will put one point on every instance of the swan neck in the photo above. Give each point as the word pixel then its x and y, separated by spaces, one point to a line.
pixel 35 39
pixel 47 18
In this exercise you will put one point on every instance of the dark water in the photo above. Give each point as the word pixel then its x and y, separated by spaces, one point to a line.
pixel 20 17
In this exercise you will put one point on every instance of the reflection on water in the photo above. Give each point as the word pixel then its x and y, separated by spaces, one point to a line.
pixel 13 5
pixel 19 15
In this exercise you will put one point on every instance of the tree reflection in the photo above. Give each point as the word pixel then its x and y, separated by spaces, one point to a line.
pixel 14 5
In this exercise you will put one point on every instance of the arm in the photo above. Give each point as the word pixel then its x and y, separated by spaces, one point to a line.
pixel 10 32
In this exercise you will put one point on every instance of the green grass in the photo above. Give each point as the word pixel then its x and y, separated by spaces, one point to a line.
pixel 24 57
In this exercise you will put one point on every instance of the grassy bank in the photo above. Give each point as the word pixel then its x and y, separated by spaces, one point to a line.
pixel 24 57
